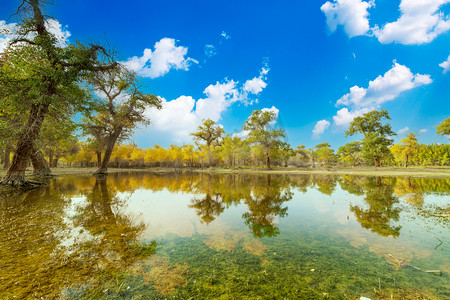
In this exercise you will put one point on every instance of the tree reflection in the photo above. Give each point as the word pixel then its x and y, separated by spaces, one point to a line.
pixel 208 208
pixel 265 205
pixel 381 212
pixel 409 190
pixel 50 249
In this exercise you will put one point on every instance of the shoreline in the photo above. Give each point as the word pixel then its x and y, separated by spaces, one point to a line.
pixel 436 172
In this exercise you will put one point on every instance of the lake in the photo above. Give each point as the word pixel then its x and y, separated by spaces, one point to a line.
pixel 231 236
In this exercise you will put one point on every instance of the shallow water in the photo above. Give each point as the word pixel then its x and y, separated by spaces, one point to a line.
pixel 200 236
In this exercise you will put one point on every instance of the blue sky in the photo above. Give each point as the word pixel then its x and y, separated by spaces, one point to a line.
pixel 317 63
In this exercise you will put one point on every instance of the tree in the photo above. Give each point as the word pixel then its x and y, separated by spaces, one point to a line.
pixel 406 149
pixel 260 132
pixel 324 153
pixel 209 132
pixel 121 108
pixel 444 128
pixel 36 75
pixel 376 141
pixel 350 153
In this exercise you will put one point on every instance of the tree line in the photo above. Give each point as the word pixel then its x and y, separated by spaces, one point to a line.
pixel 263 146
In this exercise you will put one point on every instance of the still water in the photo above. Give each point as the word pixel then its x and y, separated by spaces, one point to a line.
pixel 201 236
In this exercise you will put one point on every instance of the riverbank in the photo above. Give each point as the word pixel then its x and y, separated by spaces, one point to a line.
pixel 441 172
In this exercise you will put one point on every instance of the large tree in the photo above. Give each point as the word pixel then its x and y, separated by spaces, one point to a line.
pixel 261 133
pixel 37 74
pixel 121 108
pixel 376 135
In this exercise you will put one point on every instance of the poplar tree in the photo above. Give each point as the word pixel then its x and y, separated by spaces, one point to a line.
pixel 376 135
pixel 36 74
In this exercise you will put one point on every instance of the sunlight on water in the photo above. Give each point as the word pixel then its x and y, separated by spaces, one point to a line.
pixel 227 236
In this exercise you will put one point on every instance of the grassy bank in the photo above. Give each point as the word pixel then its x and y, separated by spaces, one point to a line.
pixel 368 171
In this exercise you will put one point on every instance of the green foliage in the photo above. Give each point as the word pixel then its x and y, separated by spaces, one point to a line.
pixel 325 154
pixel 444 128
pixel 349 154
pixel 209 132
pixel 376 141
pixel 260 133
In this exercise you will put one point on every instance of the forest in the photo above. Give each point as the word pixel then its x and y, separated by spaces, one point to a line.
pixel 75 105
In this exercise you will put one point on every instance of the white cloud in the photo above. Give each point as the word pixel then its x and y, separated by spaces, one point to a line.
pixel 420 22
pixel 257 84
pixel 320 127
pixel 225 35
pixel 210 50
pixel 404 130
pixel 8 32
pixel 423 130
pixel 161 60
pixel 60 32
pixel 384 88
pixel 179 117
pixel 445 65
pixel 351 14
pixel 344 117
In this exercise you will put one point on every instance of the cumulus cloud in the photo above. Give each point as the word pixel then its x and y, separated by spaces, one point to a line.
pixel 181 116
pixel 8 32
pixel 158 62
pixel 320 128
pixel 420 22
pixel 344 117
pixel 384 88
pixel 445 65
pixel 351 14
pixel 257 84
pixel 423 130
pixel 404 130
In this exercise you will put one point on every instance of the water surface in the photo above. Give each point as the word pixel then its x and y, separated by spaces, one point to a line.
pixel 184 235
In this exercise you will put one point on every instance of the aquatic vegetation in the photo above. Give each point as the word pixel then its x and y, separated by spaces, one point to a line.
pixel 165 276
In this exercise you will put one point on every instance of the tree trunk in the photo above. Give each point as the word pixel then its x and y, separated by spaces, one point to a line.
pixel 102 170
pixel 15 175
pixel 40 165
pixel 55 161
pixel 406 161
pixel 6 158
pixel 50 157
pixel 267 160
pixel 99 158
pixel 377 162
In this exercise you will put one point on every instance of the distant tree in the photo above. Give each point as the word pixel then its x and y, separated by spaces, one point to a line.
pixel 376 141
pixel 349 154
pixel 324 153
pixel 261 134
pixel 406 149
pixel 121 108
pixel 209 132
pixel 444 128
pixel 312 156
pixel 230 148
